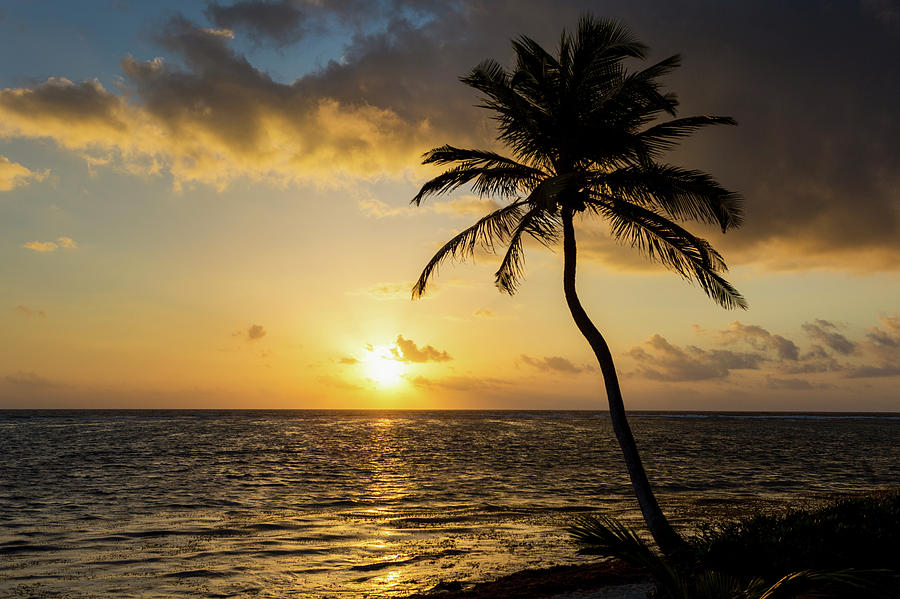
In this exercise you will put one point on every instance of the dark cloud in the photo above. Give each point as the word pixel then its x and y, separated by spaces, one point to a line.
pixel 347 360
pixel 405 350
pixel 255 332
pixel 818 132
pixel 29 380
pixel 789 384
pixel 28 312
pixel 826 333
pixel 868 371
pixel 552 363
pixel 883 344
pixel 460 383
pixel 337 383
pixel 884 341
pixel 660 360
pixel 280 22
pixel 761 339
pixel 830 358
pixel 817 359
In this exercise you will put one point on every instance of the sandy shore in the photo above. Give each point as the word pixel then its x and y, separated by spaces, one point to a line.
pixel 637 590
pixel 605 580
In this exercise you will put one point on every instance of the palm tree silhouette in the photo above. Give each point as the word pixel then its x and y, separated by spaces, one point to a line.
pixel 580 128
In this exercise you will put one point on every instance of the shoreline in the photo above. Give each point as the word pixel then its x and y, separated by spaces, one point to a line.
pixel 607 579
pixel 570 582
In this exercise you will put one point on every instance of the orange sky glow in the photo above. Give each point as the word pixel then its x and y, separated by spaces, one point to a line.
pixel 195 215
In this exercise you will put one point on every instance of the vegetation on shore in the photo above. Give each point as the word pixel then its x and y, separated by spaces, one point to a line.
pixel 857 532
pixel 846 549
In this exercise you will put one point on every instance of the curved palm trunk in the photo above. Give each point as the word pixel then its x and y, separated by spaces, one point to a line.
pixel 663 533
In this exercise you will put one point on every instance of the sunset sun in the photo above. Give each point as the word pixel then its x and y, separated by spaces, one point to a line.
pixel 382 366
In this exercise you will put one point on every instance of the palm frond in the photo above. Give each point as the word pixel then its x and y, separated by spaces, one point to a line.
pixel 604 41
pixel 448 154
pixel 666 135
pixel 674 247
pixel 489 172
pixel 503 181
pixel 601 535
pixel 524 124
pixel 679 193
pixel 540 225
pixel 495 227
pixel 871 584
pixel 641 94
pixel 710 584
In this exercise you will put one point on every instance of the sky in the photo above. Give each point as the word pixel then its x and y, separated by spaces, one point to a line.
pixel 206 205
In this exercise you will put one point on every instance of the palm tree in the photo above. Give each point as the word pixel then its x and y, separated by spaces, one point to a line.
pixel 581 131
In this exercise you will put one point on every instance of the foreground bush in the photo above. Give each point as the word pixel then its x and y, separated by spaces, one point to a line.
pixel 861 532
pixel 846 550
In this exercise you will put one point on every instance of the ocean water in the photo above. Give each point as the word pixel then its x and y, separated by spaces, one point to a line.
pixel 378 504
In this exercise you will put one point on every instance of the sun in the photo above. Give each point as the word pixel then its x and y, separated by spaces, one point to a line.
pixel 382 366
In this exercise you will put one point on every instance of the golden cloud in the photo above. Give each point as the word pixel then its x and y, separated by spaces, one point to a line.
pixel 468 205
pixel 218 120
pixel 13 174
pixel 40 246
pixel 50 246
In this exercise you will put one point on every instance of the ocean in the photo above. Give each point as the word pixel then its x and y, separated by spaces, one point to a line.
pixel 379 503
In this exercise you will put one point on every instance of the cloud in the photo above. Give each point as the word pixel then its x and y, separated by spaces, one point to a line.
pixel 255 332
pixel 552 363
pixel 40 246
pixel 829 197
pixel 789 384
pixel 380 209
pixel 28 312
pixel 460 383
pixel 884 341
pixel 868 371
pixel 883 344
pixel 466 206
pixel 347 360
pixel 826 332
pixel 817 359
pixel 386 291
pixel 66 243
pixel 829 358
pixel 13 175
pixel 280 21
pixel 337 382
pixel 660 360
pixel 28 379
pixel 216 119
pixel 405 350
pixel 761 339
